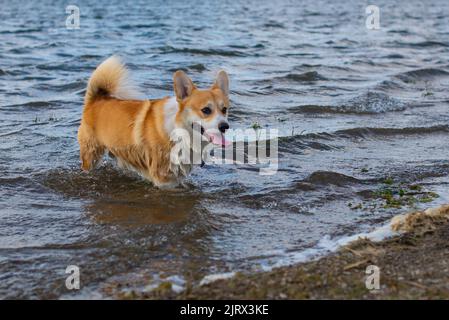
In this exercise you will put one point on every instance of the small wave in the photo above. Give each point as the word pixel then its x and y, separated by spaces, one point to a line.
pixel 426 44
pixel 298 142
pixel 368 103
pixel 314 140
pixel 372 102
pixel 71 86
pixel 6 134
pixel 90 57
pixel 330 178
pixel 73 182
pixel 303 77
pixel 314 109
pixel 364 132
pixel 273 24
pixel 388 85
pixel 14 181
pixel 198 67
pixel 64 66
pixel 416 45
pixel 421 74
pixel 394 56
pixel 34 104
pixel 38 78
pixel 23 50
pixel 18 31
pixel 204 52
pixel 399 31
pixel 142 26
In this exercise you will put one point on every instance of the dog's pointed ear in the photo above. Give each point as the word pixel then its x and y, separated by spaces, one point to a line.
pixel 222 82
pixel 183 85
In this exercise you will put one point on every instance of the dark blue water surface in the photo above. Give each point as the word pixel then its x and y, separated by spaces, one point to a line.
pixel 354 106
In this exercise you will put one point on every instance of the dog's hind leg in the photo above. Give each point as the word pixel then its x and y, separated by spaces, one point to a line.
pixel 90 150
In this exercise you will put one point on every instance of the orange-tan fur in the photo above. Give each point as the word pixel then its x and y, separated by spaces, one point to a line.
pixel 134 131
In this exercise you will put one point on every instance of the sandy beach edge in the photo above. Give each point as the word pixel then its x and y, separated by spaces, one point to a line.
pixel 412 264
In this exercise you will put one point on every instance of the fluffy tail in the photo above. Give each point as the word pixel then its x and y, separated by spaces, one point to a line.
pixel 111 79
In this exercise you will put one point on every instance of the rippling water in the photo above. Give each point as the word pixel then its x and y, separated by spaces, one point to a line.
pixel 354 106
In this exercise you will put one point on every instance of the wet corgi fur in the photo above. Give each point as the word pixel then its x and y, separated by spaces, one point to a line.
pixel 137 132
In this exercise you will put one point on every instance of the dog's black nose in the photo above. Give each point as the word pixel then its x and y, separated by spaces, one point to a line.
pixel 223 126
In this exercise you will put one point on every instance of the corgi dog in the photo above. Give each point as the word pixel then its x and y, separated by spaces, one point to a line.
pixel 137 132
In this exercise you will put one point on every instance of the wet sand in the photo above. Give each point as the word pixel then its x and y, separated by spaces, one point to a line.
pixel 413 265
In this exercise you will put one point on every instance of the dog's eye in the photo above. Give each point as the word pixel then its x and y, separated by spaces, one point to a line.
pixel 224 110
pixel 206 110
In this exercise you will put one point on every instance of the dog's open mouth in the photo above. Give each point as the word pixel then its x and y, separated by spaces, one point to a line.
pixel 214 136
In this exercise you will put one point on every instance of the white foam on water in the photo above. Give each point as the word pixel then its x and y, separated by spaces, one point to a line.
pixel 216 276
pixel 177 283
pixel 328 245
pixel 323 247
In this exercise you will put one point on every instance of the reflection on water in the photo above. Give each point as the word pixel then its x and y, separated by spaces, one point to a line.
pixel 135 214
pixel 122 198
pixel 355 108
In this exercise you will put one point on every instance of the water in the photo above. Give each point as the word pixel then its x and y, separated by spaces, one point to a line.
pixel 354 107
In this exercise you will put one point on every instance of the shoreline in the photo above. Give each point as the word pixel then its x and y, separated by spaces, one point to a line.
pixel 412 264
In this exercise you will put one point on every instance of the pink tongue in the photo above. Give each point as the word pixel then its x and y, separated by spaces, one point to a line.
pixel 219 139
